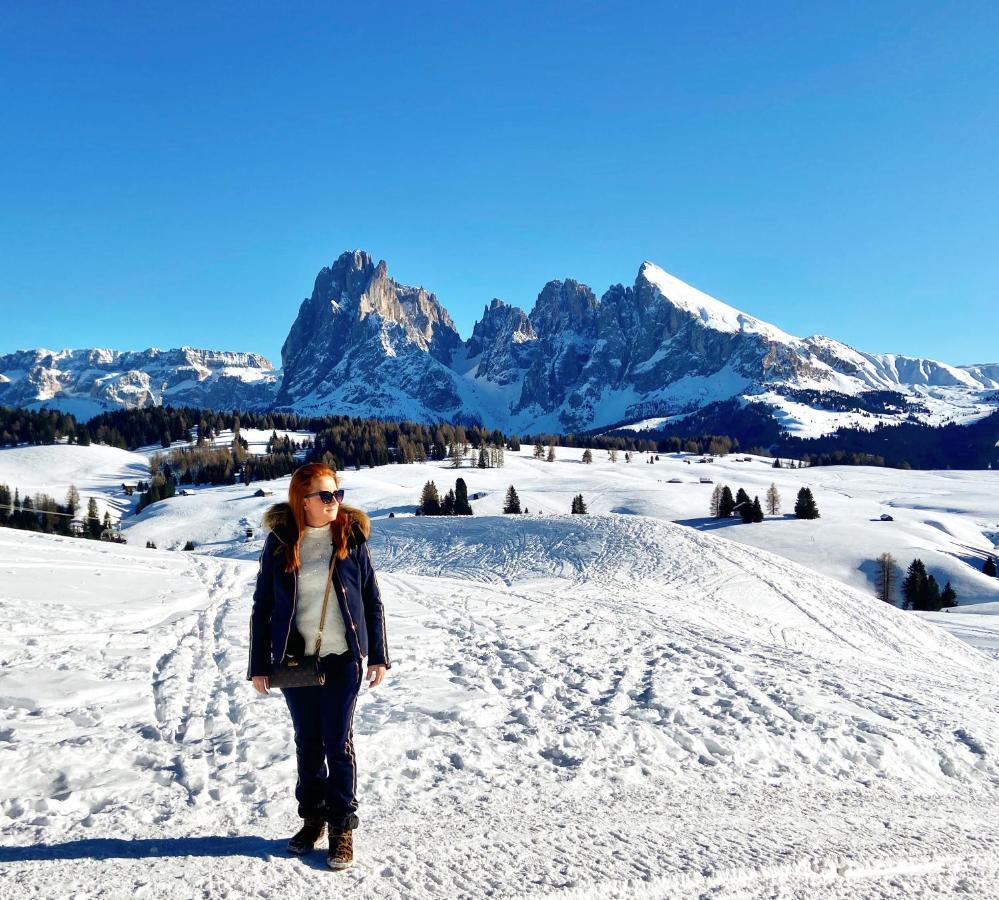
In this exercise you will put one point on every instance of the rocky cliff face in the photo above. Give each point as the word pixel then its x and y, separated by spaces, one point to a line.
pixel 659 347
pixel 364 342
pixel 89 381
pixel 503 340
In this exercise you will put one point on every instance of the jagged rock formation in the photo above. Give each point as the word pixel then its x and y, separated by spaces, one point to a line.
pixel 89 381
pixel 364 341
pixel 364 344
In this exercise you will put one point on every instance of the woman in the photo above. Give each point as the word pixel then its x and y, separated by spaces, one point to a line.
pixel 308 534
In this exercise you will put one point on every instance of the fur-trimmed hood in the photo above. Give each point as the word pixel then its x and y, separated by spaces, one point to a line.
pixel 280 520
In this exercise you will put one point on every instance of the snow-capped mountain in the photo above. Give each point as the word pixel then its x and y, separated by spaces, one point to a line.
pixel 90 381
pixel 363 344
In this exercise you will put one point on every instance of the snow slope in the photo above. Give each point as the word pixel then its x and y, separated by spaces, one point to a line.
pixel 947 518
pixel 97 471
pixel 706 309
pixel 599 706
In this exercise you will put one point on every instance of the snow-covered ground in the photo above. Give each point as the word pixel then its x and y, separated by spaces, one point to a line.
pixel 97 471
pixel 950 519
pixel 601 706
pixel 609 705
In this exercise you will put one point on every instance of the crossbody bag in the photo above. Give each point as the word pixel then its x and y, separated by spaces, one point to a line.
pixel 305 671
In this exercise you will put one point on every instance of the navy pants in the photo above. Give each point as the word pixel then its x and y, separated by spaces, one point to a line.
pixel 323 718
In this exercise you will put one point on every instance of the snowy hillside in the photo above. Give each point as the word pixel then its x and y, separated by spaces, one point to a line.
pixel 599 706
pixel 96 470
pixel 948 519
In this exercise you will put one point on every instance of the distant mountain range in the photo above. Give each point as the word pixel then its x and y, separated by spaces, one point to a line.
pixel 639 356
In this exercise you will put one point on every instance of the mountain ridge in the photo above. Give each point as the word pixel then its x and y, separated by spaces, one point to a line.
pixel 364 344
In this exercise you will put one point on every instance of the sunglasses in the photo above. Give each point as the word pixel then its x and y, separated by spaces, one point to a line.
pixel 327 496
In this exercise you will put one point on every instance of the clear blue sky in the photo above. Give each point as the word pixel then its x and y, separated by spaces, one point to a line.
pixel 178 174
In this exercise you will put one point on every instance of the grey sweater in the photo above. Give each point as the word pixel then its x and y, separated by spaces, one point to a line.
pixel 314 552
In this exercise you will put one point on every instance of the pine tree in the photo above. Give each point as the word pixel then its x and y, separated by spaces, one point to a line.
pixel 456 455
pixel 72 500
pixel 587 456
pixel 539 450
pixel 93 519
pixel 430 502
pixel 612 455
pixel 741 496
pixel 745 510
pixel 28 519
pixel 482 458
pixel 715 501
pixel 551 453
pixel 627 456
pixel 886 577
pixel 777 464
pixel 726 504
pixel 757 510
pixel 511 503
pixel 461 505
pixel 773 500
pixel 948 597
pixel 914 585
pixel 931 599
pixel 578 506
pixel 804 507
pixel 989 566
pixel 447 504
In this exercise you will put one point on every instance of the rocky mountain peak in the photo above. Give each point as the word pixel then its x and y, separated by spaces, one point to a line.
pixel 564 306
pixel 356 310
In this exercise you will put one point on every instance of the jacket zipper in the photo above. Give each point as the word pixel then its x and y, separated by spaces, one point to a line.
pixel 346 606
pixel 294 607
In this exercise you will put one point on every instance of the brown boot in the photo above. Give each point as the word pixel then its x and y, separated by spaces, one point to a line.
pixel 341 852
pixel 305 839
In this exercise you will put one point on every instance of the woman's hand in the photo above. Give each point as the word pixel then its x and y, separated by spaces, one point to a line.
pixel 375 675
pixel 261 683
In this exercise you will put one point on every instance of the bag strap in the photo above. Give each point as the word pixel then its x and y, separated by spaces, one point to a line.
pixel 326 598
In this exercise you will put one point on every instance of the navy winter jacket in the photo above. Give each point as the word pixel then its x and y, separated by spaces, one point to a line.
pixel 273 635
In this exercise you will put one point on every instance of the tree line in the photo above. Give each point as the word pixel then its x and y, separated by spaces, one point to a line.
pixel 920 590
pixel 724 505
pixel 906 445
pixel 42 513
pixel 371 442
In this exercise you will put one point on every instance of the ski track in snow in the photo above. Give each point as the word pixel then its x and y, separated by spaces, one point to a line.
pixel 601 706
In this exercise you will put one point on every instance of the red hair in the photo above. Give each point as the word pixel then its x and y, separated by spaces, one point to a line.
pixel 301 484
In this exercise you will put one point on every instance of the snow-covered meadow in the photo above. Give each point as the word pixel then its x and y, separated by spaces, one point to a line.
pixel 612 705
